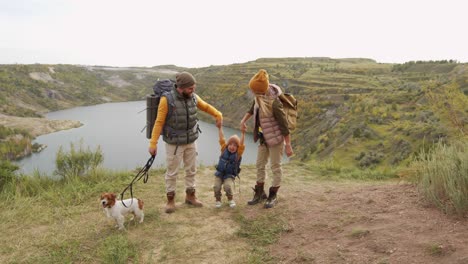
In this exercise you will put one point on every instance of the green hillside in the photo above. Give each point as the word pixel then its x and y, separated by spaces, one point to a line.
pixel 354 113
pixel 29 90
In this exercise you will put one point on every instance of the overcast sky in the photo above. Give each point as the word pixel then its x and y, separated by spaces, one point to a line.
pixel 199 33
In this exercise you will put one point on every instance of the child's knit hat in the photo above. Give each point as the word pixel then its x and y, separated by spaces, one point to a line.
pixel 259 82
pixel 234 139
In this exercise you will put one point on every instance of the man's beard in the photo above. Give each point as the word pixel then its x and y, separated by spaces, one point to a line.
pixel 187 96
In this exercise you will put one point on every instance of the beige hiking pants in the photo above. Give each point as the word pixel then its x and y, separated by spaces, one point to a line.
pixel 275 155
pixel 227 184
pixel 186 154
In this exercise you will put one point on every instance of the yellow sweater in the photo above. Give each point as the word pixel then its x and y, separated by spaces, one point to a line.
pixel 162 113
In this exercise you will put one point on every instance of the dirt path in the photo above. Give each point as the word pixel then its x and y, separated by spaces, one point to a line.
pixel 366 223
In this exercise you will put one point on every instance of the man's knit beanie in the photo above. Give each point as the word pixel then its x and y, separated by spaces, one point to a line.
pixel 184 80
pixel 259 82
pixel 234 139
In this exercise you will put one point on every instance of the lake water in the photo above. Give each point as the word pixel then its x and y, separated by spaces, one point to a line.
pixel 116 128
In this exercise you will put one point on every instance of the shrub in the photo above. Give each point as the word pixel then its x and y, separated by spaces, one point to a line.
pixel 7 173
pixel 369 159
pixel 442 174
pixel 77 162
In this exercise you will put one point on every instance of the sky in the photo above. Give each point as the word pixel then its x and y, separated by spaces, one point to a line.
pixel 200 33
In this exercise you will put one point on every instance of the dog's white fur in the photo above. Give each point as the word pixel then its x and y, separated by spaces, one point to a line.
pixel 114 208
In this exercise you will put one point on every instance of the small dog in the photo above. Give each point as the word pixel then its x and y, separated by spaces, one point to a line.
pixel 116 209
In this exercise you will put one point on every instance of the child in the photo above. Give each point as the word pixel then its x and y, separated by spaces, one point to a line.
pixel 228 166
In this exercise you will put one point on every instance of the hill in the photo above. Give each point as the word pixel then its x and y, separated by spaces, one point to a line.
pixel 31 90
pixel 354 113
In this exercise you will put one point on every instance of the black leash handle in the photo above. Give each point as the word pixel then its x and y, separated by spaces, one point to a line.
pixel 143 173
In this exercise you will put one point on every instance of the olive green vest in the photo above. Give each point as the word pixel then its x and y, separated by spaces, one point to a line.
pixel 181 126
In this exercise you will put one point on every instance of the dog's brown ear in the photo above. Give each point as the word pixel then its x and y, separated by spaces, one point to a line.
pixel 113 195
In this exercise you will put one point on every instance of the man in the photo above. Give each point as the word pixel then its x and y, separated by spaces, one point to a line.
pixel 179 129
pixel 271 129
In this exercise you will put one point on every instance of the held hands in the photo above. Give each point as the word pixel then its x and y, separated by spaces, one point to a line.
pixel 219 123
pixel 243 127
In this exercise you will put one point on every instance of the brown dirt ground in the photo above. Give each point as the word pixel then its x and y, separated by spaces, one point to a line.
pixel 332 222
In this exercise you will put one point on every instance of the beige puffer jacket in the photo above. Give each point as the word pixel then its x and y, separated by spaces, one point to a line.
pixel 269 125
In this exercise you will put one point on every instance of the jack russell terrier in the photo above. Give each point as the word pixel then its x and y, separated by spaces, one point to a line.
pixel 115 208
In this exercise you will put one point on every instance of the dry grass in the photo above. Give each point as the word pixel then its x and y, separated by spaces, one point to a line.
pixel 82 234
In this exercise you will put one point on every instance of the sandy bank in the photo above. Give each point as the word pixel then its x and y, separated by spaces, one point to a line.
pixel 37 126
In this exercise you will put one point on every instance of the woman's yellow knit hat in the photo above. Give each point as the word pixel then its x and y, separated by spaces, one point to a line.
pixel 259 82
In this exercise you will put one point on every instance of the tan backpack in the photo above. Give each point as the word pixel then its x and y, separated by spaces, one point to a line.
pixel 290 108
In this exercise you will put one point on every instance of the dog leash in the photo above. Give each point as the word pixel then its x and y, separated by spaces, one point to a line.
pixel 143 173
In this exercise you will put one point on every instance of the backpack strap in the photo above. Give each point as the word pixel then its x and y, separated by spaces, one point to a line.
pixel 238 163
pixel 170 103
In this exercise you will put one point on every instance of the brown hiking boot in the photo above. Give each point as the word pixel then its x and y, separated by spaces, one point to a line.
pixel 259 194
pixel 170 206
pixel 272 197
pixel 190 198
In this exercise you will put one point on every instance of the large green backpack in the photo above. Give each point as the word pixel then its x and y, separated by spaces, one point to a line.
pixel 160 88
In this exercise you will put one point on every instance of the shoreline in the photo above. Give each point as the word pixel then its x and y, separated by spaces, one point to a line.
pixel 37 126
